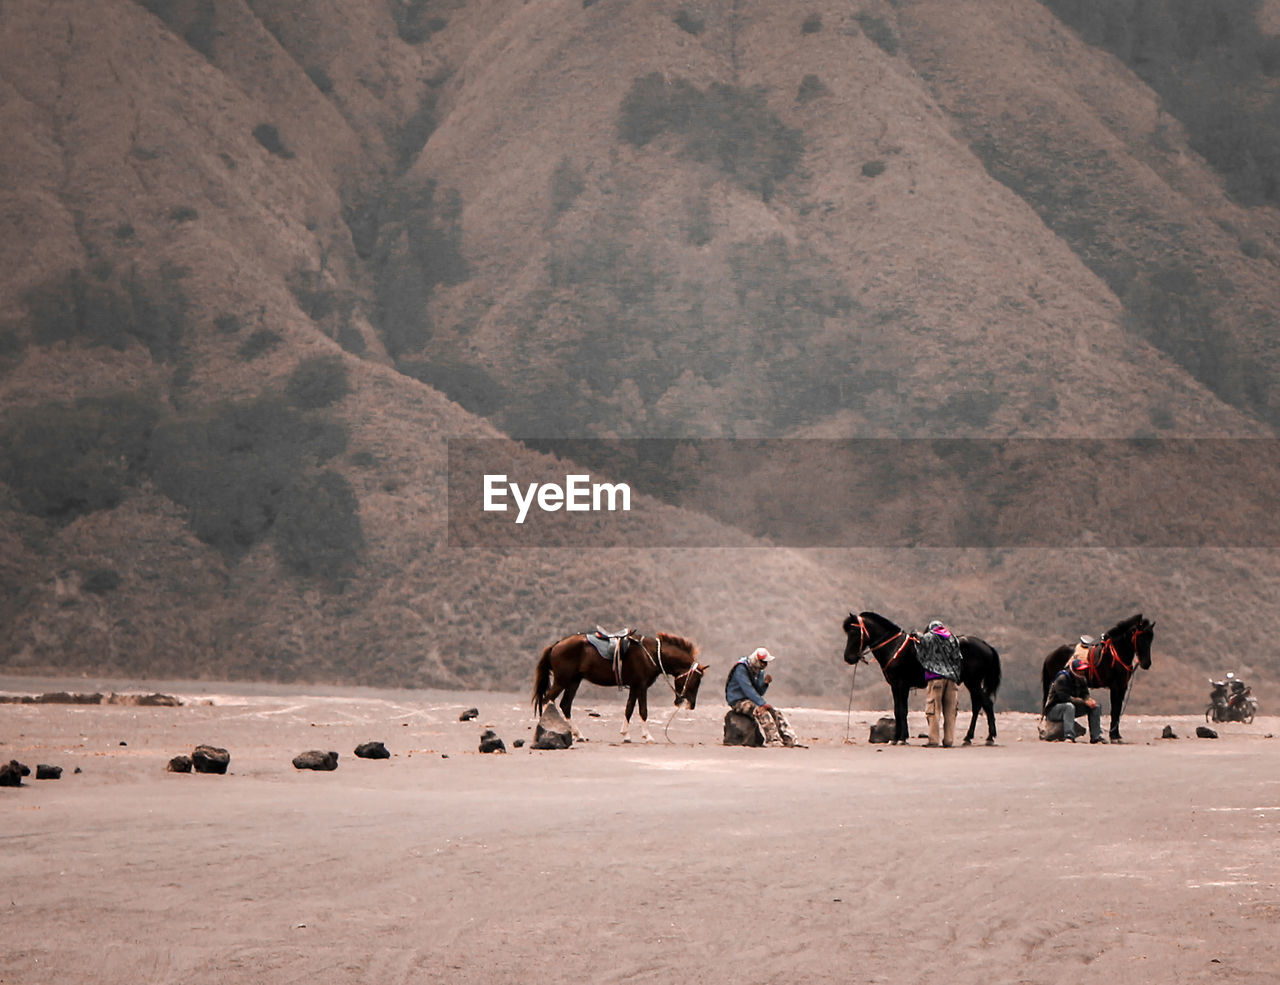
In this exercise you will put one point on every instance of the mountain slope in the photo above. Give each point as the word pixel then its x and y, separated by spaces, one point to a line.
pixel 262 259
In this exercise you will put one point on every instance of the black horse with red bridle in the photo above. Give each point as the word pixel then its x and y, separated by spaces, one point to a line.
pixel 895 650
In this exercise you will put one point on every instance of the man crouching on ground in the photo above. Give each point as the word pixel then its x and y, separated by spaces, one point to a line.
pixel 744 690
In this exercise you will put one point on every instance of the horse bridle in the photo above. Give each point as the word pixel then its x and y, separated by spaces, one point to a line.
pixel 864 638
pixel 682 694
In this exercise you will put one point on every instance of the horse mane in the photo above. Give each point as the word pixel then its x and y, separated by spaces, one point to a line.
pixel 670 639
pixel 1124 625
pixel 884 619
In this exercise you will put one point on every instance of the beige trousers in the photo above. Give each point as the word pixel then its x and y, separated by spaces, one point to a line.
pixel 941 697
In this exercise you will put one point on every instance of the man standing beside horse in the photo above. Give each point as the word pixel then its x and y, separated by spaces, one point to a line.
pixel 939 654
pixel 744 690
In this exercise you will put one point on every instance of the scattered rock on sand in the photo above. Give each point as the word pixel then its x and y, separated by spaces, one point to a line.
pixel 741 730
pixel 46 772
pixel 210 759
pixel 469 714
pixel 1205 733
pixel 179 764
pixel 316 759
pixel 372 750
pixel 882 730
pixel 1168 733
pixel 154 700
pixel 63 698
pixel 553 731
pixel 489 742
pixel 12 772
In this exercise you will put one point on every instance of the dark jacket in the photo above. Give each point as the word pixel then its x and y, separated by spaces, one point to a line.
pixel 742 683
pixel 940 655
pixel 1067 687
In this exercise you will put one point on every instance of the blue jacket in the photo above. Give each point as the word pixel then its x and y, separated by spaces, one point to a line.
pixel 744 684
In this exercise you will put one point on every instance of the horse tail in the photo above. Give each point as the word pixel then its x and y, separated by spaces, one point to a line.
pixel 991 679
pixel 542 680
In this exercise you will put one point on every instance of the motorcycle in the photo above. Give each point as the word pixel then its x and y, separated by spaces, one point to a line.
pixel 1231 701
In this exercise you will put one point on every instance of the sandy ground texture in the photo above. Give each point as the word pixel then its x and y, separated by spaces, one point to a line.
pixel 681 861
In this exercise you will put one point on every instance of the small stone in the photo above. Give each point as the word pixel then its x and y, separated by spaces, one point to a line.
pixel 469 714
pixel 12 772
pixel 882 730
pixel 316 759
pixel 210 759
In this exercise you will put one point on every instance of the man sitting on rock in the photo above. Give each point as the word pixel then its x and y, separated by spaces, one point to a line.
pixel 744 690
pixel 1069 697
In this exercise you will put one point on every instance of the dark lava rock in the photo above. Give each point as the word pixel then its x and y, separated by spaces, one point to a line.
pixel 46 772
pixel 12 772
pixel 882 730
pixel 210 759
pixel 469 714
pixel 154 700
pixel 179 764
pixel 1168 733
pixel 519 743
pixel 553 731
pixel 372 750
pixel 63 698
pixel 741 730
pixel 1205 733
pixel 315 759
pixel 489 742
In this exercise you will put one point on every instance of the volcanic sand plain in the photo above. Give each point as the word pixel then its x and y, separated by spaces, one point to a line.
pixel 677 861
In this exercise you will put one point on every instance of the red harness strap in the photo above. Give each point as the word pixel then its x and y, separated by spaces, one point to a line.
pixel 1107 648
pixel 866 635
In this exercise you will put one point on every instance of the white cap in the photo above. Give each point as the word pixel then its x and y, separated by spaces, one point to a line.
pixel 763 655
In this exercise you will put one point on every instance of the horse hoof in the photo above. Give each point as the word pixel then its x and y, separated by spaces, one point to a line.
pixel 967 742
pixel 991 742
pixel 626 738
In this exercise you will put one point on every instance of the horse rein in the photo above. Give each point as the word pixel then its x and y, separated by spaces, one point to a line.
pixel 683 693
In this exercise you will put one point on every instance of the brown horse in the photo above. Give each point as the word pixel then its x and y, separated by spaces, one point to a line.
pixel 565 664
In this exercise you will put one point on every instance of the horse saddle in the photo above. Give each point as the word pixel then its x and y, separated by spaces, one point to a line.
pixel 610 646
pixel 1087 651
